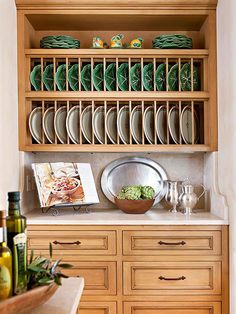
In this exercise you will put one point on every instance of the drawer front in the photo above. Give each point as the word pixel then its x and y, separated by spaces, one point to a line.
pixel 172 308
pixel 172 242
pixel 97 308
pixel 74 242
pixel 99 277
pixel 173 278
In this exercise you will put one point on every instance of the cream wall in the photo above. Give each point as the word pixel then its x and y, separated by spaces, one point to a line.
pixel 227 122
pixel 9 155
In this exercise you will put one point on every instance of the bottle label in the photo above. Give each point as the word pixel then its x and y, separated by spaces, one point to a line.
pixel 20 262
pixel 5 282
pixel 1 234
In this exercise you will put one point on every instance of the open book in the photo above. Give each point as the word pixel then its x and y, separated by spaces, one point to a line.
pixel 65 184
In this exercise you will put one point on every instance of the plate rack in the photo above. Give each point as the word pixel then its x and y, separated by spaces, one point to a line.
pixel 196 21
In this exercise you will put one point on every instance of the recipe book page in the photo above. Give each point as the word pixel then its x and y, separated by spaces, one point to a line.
pixel 65 184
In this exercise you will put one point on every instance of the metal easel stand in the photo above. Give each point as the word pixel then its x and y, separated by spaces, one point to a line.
pixel 80 209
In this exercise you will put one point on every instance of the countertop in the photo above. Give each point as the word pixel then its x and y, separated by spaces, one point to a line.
pixel 68 216
pixel 65 300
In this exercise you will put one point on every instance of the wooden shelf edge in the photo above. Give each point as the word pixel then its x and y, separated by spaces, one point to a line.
pixel 118 52
pixel 115 148
pixel 120 95
pixel 45 4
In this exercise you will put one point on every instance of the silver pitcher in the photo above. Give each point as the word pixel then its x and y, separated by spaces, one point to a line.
pixel 172 194
pixel 188 199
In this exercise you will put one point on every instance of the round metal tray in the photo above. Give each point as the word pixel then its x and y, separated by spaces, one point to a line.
pixel 133 171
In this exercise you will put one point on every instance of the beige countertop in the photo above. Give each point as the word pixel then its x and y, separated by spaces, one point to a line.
pixel 65 300
pixel 68 216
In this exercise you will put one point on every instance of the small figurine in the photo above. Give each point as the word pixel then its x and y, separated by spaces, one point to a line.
pixel 136 43
pixel 98 43
pixel 116 41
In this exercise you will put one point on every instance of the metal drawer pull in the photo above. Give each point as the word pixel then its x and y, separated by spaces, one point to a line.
pixel 172 243
pixel 67 243
pixel 178 278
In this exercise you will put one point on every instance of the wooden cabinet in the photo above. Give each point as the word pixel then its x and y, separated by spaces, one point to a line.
pixel 128 271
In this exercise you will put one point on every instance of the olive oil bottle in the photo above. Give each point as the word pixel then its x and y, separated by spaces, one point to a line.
pixel 5 261
pixel 16 235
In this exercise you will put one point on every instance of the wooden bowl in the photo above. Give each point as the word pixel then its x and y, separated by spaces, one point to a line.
pixel 26 302
pixel 134 207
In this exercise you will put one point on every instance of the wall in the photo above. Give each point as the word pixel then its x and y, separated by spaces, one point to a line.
pixel 227 123
pixel 177 167
pixel 9 155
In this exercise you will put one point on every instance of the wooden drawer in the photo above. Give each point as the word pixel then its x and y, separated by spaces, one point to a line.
pixel 172 308
pixel 99 277
pixel 74 242
pixel 97 308
pixel 172 278
pixel 172 242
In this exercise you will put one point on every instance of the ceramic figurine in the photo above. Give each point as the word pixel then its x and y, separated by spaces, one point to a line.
pixel 98 43
pixel 136 43
pixel 116 41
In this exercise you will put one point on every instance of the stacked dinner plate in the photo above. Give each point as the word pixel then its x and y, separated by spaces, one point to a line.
pixel 136 124
pixel 59 42
pixel 172 42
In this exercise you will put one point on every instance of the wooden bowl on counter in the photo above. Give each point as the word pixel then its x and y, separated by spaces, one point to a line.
pixel 134 207
pixel 27 301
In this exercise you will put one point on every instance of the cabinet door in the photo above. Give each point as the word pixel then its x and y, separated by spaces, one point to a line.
pixel 174 242
pixel 99 277
pixel 97 308
pixel 172 278
pixel 172 308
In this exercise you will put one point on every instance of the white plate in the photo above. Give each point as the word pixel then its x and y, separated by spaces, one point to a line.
pixel 86 123
pixel 48 124
pixel 173 124
pixel 73 124
pixel 123 124
pixel 161 124
pixel 186 125
pixel 136 124
pixel 98 123
pixel 148 124
pixel 35 124
pixel 60 124
pixel 111 124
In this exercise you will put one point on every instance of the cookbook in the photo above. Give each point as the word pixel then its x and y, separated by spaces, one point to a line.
pixel 65 184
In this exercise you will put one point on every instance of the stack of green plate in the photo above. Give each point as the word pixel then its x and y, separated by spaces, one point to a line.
pixel 60 42
pixel 172 42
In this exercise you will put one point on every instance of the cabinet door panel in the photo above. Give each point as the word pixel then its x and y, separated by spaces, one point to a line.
pixel 99 277
pixel 172 242
pixel 172 308
pixel 74 242
pixel 160 278
pixel 97 308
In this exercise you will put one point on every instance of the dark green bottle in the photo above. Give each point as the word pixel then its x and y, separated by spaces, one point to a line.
pixel 16 236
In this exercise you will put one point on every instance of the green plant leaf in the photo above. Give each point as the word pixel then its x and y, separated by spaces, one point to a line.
pixel 31 256
pixel 64 265
pixel 50 249
pixel 45 281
